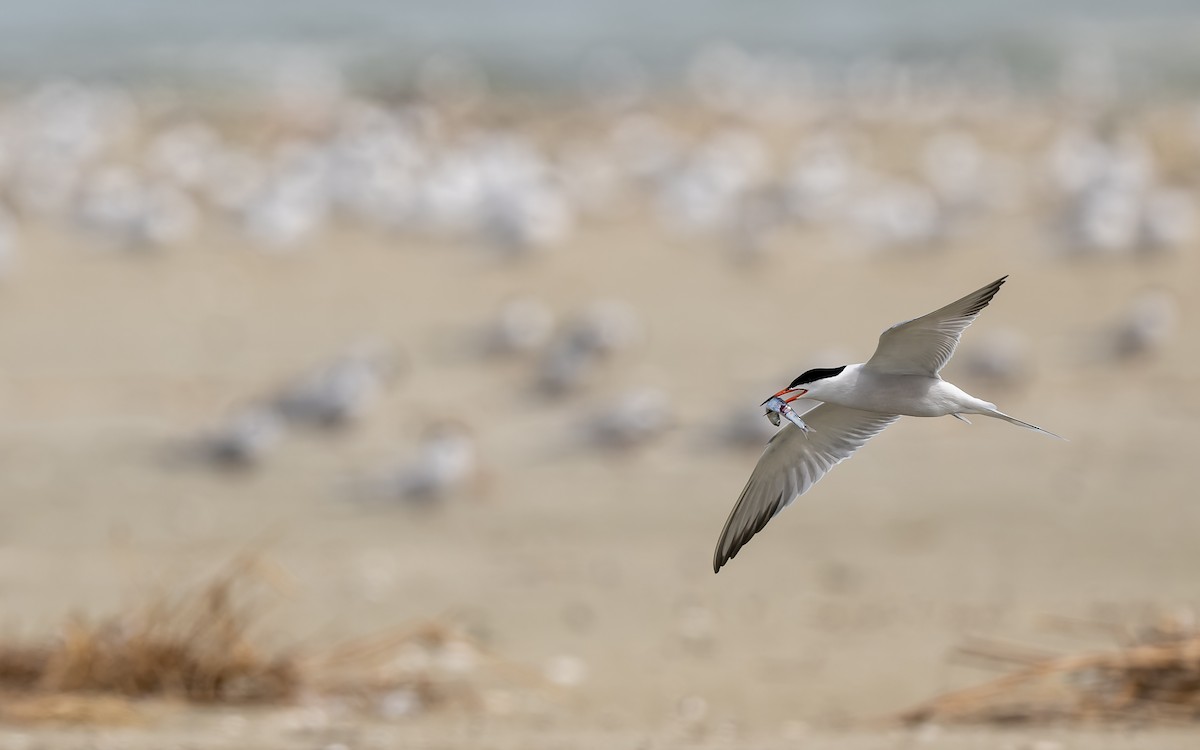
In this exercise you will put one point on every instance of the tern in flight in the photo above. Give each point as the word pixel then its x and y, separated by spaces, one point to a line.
pixel 856 403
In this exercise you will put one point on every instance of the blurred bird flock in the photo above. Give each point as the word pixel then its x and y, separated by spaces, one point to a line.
pixel 751 157
pixel 881 157
pixel 745 160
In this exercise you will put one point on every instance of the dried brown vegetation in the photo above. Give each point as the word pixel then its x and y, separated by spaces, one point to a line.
pixel 200 646
pixel 1155 677
pixel 195 645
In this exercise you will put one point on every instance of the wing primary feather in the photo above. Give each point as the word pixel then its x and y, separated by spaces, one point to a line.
pixel 987 296
pixel 923 345
pixel 790 466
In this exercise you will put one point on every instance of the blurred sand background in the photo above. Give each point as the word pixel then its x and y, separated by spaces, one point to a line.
pixel 587 563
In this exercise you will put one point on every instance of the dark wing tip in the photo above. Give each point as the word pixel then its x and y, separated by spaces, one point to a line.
pixel 720 559
pixel 729 545
pixel 725 552
pixel 985 296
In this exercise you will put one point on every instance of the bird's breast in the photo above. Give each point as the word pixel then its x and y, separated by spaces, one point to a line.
pixel 907 395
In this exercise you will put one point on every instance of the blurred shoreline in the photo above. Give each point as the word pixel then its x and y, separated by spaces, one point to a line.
pixel 553 46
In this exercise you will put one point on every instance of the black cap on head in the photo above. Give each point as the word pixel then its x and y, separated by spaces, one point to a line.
pixel 818 373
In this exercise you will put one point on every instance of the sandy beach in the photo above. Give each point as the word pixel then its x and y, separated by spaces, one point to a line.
pixel 846 610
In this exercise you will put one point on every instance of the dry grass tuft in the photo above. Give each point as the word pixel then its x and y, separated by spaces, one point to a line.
pixel 1153 678
pixel 197 646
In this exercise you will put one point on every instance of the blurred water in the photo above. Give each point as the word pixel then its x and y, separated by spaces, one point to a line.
pixel 544 41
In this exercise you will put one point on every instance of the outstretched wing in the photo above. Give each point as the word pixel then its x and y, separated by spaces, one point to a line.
pixel 923 346
pixel 793 463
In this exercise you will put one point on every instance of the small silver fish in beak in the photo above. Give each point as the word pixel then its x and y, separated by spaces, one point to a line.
pixel 777 407
pixel 772 417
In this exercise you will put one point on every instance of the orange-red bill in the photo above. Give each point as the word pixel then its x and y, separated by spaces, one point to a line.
pixel 798 391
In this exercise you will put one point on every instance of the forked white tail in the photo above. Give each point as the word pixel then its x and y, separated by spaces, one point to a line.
pixel 1013 420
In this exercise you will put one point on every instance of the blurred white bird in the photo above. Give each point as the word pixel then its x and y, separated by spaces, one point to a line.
pixel 182 154
pixel 339 393
pixel 446 463
pixel 243 441
pixel 633 419
pixel 598 332
pixel 1142 329
pixel 126 210
pixel 1000 358
pixel 521 326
